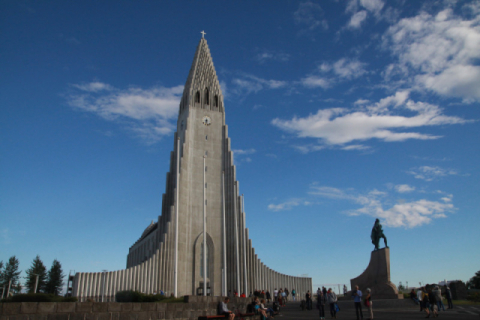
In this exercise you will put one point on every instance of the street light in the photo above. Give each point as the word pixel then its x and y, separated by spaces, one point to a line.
pixel 36 283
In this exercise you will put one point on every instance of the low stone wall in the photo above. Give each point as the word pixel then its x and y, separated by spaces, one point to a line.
pixel 193 308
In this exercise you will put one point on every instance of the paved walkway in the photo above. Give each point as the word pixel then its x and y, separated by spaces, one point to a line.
pixel 292 311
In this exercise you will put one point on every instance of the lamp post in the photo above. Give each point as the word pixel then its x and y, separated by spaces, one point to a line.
pixel 36 283
pixel 103 284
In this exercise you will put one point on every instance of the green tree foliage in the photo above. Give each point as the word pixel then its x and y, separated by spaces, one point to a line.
pixel 474 282
pixel 55 278
pixel 37 268
pixel 10 272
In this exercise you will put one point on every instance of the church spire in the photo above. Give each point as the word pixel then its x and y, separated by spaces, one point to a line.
pixel 202 89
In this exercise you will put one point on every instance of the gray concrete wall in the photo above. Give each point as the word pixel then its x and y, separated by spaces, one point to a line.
pixel 195 307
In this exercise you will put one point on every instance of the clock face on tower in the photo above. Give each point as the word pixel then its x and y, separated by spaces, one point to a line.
pixel 206 120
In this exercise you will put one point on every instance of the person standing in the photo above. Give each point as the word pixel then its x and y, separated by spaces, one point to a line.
pixel 294 293
pixel 433 303
pixel 268 296
pixel 438 296
pixel 332 300
pixel 308 298
pixel 357 298
pixel 448 295
pixel 419 297
pixel 321 303
pixel 368 303
pixel 275 294
pixel 344 290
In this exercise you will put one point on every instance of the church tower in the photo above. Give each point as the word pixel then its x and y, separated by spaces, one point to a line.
pixel 200 243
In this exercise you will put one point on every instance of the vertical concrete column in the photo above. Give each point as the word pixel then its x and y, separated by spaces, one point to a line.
pixel 155 272
pixel 146 276
pixel 161 268
pixel 98 291
pixel 135 272
pixel 121 280
pixel 126 280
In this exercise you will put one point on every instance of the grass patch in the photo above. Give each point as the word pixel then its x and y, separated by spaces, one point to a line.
pixel 463 303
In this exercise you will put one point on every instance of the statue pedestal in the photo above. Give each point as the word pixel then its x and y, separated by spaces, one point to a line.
pixel 377 277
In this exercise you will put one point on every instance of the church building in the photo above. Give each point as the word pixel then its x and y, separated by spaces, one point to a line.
pixel 199 245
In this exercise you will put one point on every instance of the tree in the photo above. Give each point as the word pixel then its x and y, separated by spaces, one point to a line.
pixel 11 273
pixel 474 282
pixel 37 268
pixel 1 274
pixel 55 278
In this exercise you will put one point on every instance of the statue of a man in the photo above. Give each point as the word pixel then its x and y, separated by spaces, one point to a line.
pixel 377 234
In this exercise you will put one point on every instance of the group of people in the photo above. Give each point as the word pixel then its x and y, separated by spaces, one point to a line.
pixel 325 296
pixel 279 295
pixel 430 299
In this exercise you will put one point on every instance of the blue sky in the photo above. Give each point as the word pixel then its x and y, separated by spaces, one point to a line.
pixel 340 112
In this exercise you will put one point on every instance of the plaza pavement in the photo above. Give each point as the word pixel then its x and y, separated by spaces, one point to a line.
pixel 292 311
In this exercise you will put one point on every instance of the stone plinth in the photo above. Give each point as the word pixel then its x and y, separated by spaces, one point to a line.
pixel 377 277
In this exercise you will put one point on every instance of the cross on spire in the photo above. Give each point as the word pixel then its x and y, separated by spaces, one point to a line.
pixel 203 34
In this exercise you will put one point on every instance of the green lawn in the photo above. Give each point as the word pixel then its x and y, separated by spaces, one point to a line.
pixel 462 303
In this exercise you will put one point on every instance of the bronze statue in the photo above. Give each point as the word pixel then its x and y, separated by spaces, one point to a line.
pixel 377 234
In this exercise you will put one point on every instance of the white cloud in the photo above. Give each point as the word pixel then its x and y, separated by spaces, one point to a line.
pixel 355 147
pixel 341 70
pixel 357 19
pixel 93 86
pixel 360 102
pixel 288 205
pixel 311 15
pixel 349 68
pixel 276 56
pixel 308 148
pixel 372 5
pixel 404 188
pixel 429 173
pixel 252 84
pixel 406 214
pixel 315 81
pixel 147 112
pixel 338 126
pixel 438 53
pixel 241 152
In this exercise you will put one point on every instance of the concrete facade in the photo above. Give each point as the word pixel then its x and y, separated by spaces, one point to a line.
pixel 377 277
pixel 202 177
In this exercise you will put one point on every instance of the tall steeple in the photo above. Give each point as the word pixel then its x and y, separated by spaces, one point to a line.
pixel 200 241
pixel 202 88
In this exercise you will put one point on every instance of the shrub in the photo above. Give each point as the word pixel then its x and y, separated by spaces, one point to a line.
pixel 474 297
pixel 135 296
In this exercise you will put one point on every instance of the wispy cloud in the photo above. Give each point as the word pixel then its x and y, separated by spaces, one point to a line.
pixel 452 71
pixel 310 15
pixel 241 152
pixel 148 113
pixel 404 188
pixel 360 10
pixel 5 236
pixel 429 173
pixel 288 205
pixel 273 56
pixel 247 83
pixel 406 214
pixel 357 19
pixel 328 74
pixel 383 121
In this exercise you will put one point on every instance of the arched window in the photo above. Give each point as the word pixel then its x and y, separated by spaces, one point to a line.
pixel 197 97
pixel 215 101
pixel 207 98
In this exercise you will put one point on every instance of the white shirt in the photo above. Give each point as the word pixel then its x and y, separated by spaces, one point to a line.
pixel 275 293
